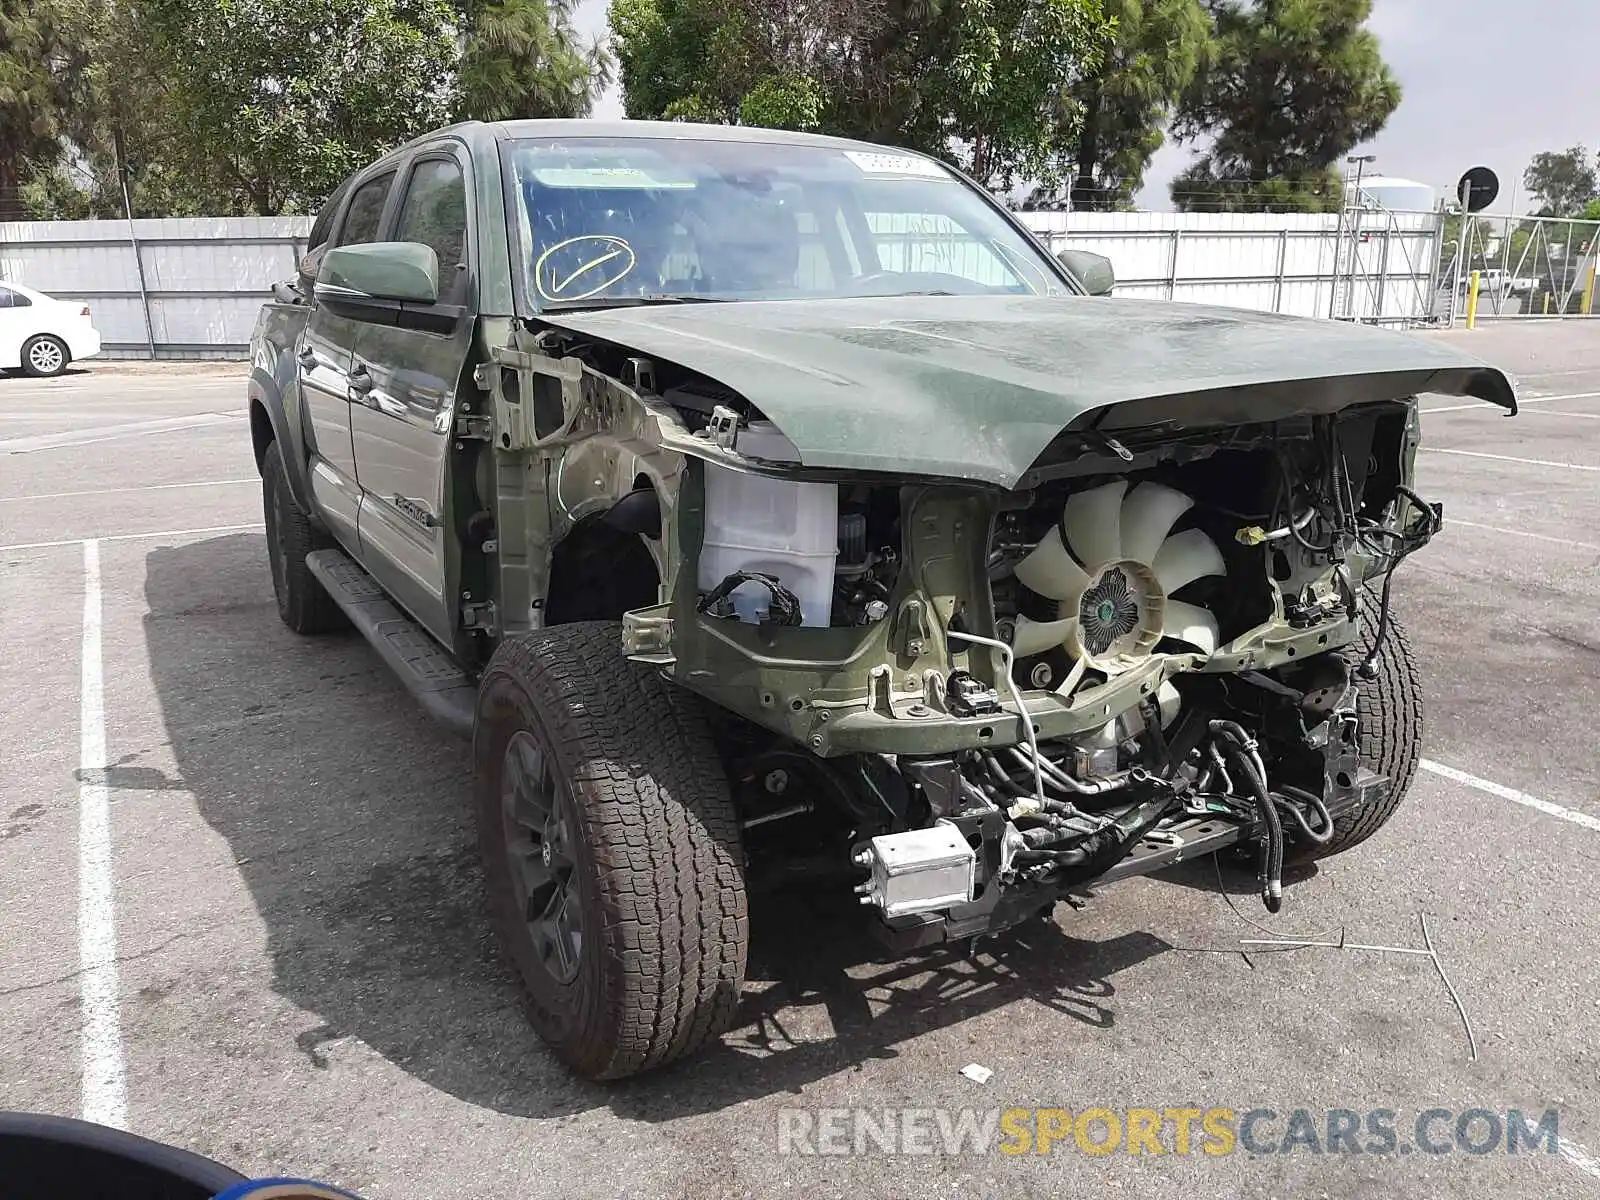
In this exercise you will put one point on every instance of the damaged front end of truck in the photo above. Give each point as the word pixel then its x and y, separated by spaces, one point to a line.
pixel 972 645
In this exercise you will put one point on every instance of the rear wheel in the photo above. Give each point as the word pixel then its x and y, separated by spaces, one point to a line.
pixel 1389 732
pixel 611 850
pixel 302 602
pixel 44 356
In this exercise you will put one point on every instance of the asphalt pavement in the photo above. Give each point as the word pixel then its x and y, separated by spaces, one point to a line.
pixel 240 908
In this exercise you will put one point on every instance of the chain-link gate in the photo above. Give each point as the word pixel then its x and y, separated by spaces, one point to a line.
pixel 1528 267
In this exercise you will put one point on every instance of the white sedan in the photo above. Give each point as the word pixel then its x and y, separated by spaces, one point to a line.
pixel 42 335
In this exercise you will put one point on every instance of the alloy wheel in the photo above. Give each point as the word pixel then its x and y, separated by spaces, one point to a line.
pixel 540 828
pixel 46 357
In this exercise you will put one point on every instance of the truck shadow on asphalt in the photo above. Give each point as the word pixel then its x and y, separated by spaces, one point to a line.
pixel 348 816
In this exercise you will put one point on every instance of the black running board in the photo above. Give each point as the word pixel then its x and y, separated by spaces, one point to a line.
pixel 430 674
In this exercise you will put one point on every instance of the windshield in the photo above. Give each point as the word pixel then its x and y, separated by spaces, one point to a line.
pixel 631 220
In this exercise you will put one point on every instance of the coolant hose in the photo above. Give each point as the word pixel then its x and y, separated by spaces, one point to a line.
pixel 1314 802
pixel 998 774
pixel 1242 748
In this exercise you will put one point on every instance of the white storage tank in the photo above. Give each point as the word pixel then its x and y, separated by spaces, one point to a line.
pixel 777 527
pixel 1392 193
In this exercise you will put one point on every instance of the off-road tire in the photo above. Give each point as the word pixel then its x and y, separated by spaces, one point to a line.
pixel 58 361
pixel 1389 731
pixel 302 602
pixel 657 857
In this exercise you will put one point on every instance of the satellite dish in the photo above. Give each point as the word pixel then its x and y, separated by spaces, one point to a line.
pixel 1477 189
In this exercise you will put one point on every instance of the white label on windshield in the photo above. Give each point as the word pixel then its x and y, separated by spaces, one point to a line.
pixel 896 164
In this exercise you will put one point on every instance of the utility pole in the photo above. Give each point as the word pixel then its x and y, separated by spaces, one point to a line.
pixel 123 171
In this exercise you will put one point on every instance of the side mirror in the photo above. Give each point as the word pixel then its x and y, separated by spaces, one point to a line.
pixel 1092 270
pixel 403 271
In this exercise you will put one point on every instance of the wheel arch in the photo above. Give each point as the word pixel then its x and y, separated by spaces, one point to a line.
pixel 599 572
pixel 271 421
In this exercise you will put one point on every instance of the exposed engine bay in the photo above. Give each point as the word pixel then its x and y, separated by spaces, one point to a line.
pixel 1184 572
pixel 1192 610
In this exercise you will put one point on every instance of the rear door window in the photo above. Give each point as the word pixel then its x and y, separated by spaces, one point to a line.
pixel 364 217
pixel 11 299
pixel 321 232
pixel 322 227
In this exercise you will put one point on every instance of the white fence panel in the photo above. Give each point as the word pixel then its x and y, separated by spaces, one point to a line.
pixel 1307 264
pixel 205 277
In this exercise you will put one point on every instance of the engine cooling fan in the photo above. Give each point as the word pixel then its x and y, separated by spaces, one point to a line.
pixel 1111 563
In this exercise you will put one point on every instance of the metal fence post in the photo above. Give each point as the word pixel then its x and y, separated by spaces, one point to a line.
pixel 1435 252
pixel 1382 299
pixel 1283 266
pixel 133 240
pixel 1172 265
pixel 1338 245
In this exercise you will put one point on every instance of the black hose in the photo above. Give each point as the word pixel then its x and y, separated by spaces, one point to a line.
pixel 1242 747
pixel 1368 668
pixel 1287 492
pixel 998 774
pixel 1099 850
pixel 1285 801
pixel 1422 506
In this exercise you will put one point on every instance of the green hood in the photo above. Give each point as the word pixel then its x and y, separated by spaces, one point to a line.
pixel 976 387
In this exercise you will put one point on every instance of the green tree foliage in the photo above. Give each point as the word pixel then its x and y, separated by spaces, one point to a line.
pixel 522 58
pixel 1563 182
pixel 278 100
pixel 990 84
pixel 1293 86
pixel 263 106
pixel 122 101
pixel 1010 83
pixel 1158 48
pixel 38 62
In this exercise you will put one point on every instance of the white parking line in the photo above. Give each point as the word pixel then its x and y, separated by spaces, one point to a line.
pixel 125 537
pixel 105 1092
pixel 106 433
pixel 1595 370
pixel 1516 797
pixel 1552 412
pixel 144 487
pixel 1579 1157
pixel 1511 458
pixel 1522 533
pixel 1485 406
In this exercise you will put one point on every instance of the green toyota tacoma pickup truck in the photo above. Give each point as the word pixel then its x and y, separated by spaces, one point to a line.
pixel 775 510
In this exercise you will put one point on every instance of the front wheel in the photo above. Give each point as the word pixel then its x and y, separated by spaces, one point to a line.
pixel 45 356
pixel 611 849
pixel 1389 732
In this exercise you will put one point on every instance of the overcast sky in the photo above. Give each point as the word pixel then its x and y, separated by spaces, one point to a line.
pixel 1485 81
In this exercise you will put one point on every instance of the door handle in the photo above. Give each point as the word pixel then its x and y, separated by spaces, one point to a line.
pixel 307 359
pixel 361 381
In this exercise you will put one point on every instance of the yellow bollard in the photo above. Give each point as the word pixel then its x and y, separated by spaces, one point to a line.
pixel 1547 304
pixel 1588 294
pixel 1472 299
